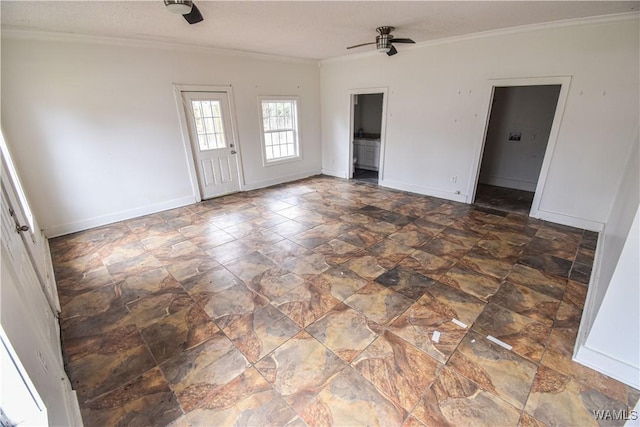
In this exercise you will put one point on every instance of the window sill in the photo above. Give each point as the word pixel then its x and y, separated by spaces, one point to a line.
pixel 268 163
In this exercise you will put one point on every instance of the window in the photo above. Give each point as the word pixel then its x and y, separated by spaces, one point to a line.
pixel 279 129
pixel 208 117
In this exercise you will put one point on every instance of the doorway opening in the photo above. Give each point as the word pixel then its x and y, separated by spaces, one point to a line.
pixel 366 124
pixel 516 146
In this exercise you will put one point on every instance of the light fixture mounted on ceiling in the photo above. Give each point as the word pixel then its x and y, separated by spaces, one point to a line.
pixel 185 8
pixel 384 41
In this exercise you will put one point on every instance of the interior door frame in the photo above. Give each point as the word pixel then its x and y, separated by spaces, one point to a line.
pixel 383 128
pixel 564 82
pixel 186 139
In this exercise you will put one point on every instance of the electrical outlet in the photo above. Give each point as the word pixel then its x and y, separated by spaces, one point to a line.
pixel 454 179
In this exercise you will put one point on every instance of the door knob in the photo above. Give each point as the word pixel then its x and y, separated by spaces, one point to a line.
pixel 233 151
pixel 20 228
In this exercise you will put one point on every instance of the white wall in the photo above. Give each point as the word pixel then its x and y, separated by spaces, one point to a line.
pixel 95 132
pixel 438 102
pixel 527 111
pixel 609 338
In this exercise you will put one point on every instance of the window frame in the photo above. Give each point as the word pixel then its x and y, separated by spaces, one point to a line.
pixel 296 129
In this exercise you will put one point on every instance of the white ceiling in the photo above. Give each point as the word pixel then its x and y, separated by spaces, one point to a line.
pixel 300 29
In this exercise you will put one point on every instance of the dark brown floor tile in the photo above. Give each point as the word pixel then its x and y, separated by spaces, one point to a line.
pixel 246 400
pixel 418 324
pixel 274 283
pixel 365 237
pixel 335 404
pixel 580 273
pixel 549 264
pixel 389 252
pixel 471 282
pixel 397 369
pixel 306 303
pixel 108 332
pixel 209 239
pixel 336 252
pixel 133 266
pixel 410 236
pixel 299 369
pixel 450 303
pixel 250 266
pixel 78 266
pixel 344 331
pixel 527 336
pixel 149 282
pixel 214 280
pixel 456 401
pixel 558 357
pixel 427 264
pixel 366 266
pixel 444 248
pixel 378 303
pixel 556 247
pixel 494 368
pixel 93 303
pixel 230 304
pixel 526 301
pixel 282 251
pixel 197 373
pixel 178 332
pixel 339 281
pixel 386 216
pixel 146 400
pixel 501 249
pixel 406 282
pixel 575 293
pixel 162 303
pixel 98 373
pixel 553 393
pixel 537 280
pixel 230 251
pixel 483 262
pixel 260 332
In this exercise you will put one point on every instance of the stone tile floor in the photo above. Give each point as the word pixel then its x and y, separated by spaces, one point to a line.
pixel 316 302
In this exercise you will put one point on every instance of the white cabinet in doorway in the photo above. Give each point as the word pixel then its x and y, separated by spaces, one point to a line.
pixel 367 153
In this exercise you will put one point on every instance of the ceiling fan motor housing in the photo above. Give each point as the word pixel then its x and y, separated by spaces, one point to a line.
pixel 383 41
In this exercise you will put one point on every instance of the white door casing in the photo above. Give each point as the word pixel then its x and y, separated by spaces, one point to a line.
pixel 564 82
pixel 212 141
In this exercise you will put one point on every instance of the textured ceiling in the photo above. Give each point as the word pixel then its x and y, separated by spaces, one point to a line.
pixel 300 29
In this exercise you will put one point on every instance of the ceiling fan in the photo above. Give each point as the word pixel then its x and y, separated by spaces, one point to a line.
pixel 185 8
pixel 384 41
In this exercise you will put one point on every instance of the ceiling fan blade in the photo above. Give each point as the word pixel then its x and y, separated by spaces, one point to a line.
pixel 194 16
pixel 359 45
pixel 392 51
pixel 402 41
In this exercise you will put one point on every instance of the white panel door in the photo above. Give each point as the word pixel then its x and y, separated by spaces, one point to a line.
pixel 32 236
pixel 214 149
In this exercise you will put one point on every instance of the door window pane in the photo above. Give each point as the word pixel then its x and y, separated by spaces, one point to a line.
pixel 209 124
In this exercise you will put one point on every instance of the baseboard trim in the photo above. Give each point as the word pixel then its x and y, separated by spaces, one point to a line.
pixel 569 220
pixel 427 191
pixel 73 227
pixel 279 180
pixel 605 364
pixel 337 174
pixel 509 183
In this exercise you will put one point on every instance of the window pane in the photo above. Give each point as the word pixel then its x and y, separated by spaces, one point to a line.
pixel 202 142
pixel 208 125
pixel 206 109
pixel 196 108
pixel 280 127
pixel 216 108
pixel 199 126
pixel 211 140
pixel 217 122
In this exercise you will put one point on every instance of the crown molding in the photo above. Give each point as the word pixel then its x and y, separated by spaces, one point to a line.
pixel 530 28
pixel 48 36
